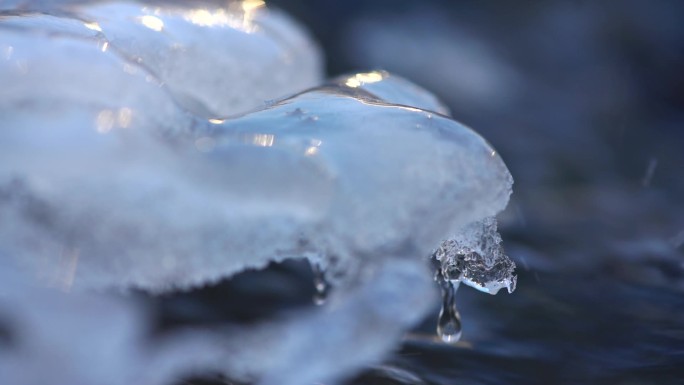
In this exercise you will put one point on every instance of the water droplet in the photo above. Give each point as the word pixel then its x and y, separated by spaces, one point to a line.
pixel 449 321
pixel 320 284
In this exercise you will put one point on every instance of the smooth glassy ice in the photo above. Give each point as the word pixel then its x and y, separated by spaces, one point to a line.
pixel 390 89
pixel 214 58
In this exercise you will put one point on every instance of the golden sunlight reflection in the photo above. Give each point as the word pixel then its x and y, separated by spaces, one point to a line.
pixel 364 78
pixel 250 9
pixel 238 15
pixel 93 26
pixel 216 121
pixel 264 140
pixel 204 18
pixel 252 5
pixel 152 22
pixel 313 148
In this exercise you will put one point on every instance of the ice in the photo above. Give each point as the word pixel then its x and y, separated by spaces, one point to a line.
pixel 76 339
pixel 323 172
pixel 475 257
pixel 216 59
pixel 391 89
pixel 123 165
pixel 87 338
pixel 191 50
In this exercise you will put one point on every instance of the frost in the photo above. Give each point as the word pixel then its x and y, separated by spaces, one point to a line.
pixel 122 165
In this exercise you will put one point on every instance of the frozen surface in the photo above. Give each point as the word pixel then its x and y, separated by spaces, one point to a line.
pixel 391 89
pixel 133 192
pixel 215 59
pixel 115 172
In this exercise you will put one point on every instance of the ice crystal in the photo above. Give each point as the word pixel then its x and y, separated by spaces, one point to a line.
pixel 475 257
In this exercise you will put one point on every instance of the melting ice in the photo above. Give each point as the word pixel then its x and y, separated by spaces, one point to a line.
pixel 124 164
pixel 475 257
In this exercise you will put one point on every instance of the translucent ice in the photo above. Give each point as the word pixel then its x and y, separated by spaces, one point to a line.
pixel 138 193
pixel 215 60
pixel 475 257
pixel 119 168
pixel 390 89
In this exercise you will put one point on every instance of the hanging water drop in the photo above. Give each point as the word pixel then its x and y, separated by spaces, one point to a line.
pixel 320 284
pixel 449 321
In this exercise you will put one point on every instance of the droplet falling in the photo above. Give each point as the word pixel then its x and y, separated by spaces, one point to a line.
pixel 320 284
pixel 449 321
